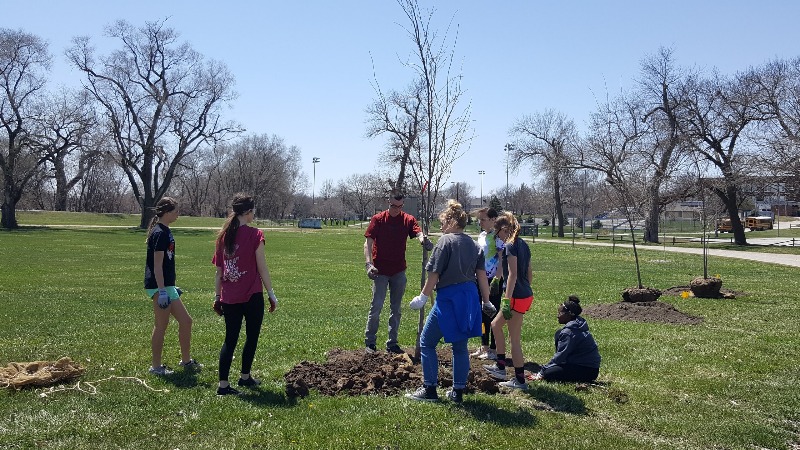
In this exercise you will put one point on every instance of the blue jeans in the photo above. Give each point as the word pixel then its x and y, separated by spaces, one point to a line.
pixel 429 339
pixel 396 285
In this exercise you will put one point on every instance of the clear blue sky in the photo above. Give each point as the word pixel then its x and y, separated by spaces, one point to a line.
pixel 304 68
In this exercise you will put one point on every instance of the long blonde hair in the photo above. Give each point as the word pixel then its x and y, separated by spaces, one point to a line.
pixel 508 221
pixel 163 206
pixel 240 204
pixel 454 211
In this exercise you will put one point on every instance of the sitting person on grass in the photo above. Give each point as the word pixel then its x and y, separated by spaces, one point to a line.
pixel 576 357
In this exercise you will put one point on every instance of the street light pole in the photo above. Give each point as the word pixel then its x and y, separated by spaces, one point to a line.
pixel 481 173
pixel 314 161
pixel 507 148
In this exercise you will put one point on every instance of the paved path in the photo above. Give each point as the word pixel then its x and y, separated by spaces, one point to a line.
pixel 773 258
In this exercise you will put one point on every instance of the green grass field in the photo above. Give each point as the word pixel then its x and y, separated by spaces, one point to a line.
pixel 730 382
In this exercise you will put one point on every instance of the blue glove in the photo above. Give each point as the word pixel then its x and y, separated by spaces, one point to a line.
pixel 163 299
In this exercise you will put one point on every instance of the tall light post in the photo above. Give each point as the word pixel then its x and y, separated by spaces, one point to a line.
pixel 508 148
pixel 314 161
pixel 481 173
pixel 456 183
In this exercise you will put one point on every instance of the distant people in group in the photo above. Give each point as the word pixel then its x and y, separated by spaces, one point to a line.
pixel 455 269
pixel 159 283
pixel 491 246
pixel 385 254
pixel 242 276
pixel 577 357
pixel 516 301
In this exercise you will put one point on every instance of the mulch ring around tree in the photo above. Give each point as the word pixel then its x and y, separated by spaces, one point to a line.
pixel 678 291
pixel 652 312
pixel 355 372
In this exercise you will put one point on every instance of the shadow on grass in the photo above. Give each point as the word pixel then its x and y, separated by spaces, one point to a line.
pixel 261 397
pixel 484 412
pixel 549 399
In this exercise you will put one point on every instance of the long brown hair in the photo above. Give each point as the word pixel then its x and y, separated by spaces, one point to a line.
pixel 163 206
pixel 240 204
pixel 508 221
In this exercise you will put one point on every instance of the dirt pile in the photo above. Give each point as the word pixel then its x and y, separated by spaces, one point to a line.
pixel 355 372
pixel 653 312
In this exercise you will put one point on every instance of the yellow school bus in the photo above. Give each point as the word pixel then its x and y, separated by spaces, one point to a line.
pixel 759 223
pixel 724 225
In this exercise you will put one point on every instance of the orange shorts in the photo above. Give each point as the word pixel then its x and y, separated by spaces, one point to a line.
pixel 521 305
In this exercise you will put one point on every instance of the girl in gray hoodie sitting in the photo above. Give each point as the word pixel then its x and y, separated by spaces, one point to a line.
pixel 576 357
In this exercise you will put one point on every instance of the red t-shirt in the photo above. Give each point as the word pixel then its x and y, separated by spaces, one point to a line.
pixel 390 235
pixel 240 277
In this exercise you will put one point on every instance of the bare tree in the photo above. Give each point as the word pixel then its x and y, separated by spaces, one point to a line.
pixel 545 140
pixel 162 101
pixel 663 92
pixel 779 102
pixel 361 192
pixel 719 111
pixel 612 147
pixel 67 133
pixel 24 64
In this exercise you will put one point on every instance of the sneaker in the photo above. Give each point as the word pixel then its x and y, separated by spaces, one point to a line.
pixel 370 348
pixel 455 395
pixel 161 370
pixel 395 349
pixel 495 372
pixel 477 353
pixel 513 383
pixel 488 354
pixel 227 390
pixel 424 394
pixel 191 365
pixel 250 382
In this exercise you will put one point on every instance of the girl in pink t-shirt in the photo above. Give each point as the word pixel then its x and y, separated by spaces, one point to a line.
pixel 241 272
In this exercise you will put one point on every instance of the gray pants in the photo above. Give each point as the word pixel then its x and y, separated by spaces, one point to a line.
pixel 396 284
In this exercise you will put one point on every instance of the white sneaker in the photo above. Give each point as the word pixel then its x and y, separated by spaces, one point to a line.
pixel 488 354
pixel 495 372
pixel 478 352
pixel 161 370
pixel 513 383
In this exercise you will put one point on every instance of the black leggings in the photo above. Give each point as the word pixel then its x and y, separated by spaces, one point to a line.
pixel 253 313
pixel 570 372
pixel 488 336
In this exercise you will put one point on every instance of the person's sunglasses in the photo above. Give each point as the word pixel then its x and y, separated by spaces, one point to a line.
pixel 392 205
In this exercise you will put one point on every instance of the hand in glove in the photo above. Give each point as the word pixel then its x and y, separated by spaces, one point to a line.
pixel 505 307
pixel 273 300
pixel 419 301
pixel 427 244
pixel 488 309
pixel 163 299
pixel 494 286
pixel 217 306
pixel 372 271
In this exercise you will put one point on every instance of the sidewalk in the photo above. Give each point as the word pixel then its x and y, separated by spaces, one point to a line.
pixel 772 258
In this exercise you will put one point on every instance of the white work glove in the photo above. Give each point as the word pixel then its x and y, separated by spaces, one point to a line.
pixel 419 301
pixel 272 299
pixel 163 299
pixel 488 309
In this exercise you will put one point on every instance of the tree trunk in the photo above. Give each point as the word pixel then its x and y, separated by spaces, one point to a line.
pixel 9 219
pixel 559 206
pixel 61 187
pixel 651 222
pixel 733 213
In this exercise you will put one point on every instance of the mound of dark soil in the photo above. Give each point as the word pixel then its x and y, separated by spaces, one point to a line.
pixel 355 372
pixel 654 312
pixel 678 291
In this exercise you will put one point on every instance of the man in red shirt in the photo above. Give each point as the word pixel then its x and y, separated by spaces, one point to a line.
pixel 385 252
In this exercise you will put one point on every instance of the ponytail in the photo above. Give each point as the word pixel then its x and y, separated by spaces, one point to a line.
pixel 509 222
pixel 226 237
pixel 163 206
